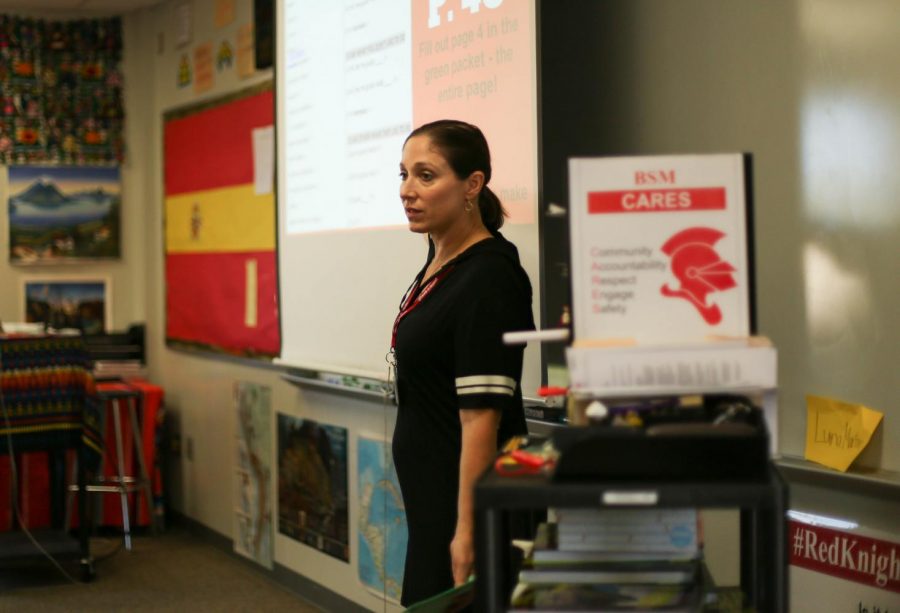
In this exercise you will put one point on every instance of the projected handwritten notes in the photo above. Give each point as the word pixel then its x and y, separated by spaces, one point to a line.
pixel 474 60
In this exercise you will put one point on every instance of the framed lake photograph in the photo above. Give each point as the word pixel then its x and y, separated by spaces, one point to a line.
pixel 64 213
pixel 82 303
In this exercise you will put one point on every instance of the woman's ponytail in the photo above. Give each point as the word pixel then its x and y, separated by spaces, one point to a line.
pixel 492 212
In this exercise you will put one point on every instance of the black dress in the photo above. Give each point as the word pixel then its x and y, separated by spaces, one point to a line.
pixel 451 357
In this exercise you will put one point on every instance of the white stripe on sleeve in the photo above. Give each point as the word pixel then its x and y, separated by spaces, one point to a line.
pixel 486 384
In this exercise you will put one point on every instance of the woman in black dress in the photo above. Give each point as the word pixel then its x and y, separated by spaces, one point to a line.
pixel 458 385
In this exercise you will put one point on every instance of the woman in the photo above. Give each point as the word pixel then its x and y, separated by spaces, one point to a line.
pixel 458 385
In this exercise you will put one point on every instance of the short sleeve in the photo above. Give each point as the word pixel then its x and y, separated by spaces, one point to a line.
pixel 488 372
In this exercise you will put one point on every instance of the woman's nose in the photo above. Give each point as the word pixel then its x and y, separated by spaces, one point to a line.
pixel 406 193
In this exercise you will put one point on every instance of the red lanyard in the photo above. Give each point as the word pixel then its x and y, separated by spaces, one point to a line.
pixel 414 298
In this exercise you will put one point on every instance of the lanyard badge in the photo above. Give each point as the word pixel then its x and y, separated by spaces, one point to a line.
pixel 393 390
pixel 411 300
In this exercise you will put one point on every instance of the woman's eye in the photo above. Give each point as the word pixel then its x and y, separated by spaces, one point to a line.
pixel 427 176
pixel 403 175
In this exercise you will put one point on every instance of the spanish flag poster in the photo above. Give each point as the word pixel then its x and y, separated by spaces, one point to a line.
pixel 221 277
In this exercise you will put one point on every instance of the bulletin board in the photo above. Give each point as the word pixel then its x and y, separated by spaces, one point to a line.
pixel 221 277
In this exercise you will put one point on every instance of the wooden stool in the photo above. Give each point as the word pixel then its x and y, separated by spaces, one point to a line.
pixel 112 395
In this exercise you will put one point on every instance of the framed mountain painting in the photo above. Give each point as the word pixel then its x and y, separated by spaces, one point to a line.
pixel 63 213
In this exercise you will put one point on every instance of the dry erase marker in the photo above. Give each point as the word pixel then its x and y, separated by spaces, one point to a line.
pixel 554 396
pixel 542 336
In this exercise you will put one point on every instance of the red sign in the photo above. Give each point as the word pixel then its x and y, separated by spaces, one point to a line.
pixel 853 557
pixel 657 200
pixel 699 270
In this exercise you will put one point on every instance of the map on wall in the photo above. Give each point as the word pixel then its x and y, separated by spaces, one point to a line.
pixel 253 474
pixel 382 532
pixel 312 485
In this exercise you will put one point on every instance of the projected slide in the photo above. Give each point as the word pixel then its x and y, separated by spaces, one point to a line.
pixel 354 77
pixel 358 75
pixel 474 60
pixel 347 103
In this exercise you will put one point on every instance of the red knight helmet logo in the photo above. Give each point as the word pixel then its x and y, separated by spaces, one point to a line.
pixel 699 269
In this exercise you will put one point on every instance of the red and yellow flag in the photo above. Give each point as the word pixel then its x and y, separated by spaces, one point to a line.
pixel 221 278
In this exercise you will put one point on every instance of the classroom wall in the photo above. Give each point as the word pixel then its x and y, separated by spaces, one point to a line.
pixel 129 292
pixel 809 87
pixel 198 386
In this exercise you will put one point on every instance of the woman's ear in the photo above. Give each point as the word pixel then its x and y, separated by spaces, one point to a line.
pixel 474 183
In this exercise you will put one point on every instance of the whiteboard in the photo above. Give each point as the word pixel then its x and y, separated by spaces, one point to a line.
pixel 353 80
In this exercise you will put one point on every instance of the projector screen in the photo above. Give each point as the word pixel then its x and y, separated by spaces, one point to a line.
pixel 353 78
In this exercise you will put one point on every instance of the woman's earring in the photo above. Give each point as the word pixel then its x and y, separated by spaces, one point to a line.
pixel 469 206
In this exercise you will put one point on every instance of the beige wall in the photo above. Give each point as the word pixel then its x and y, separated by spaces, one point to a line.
pixel 809 87
pixel 129 289
pixel 198 386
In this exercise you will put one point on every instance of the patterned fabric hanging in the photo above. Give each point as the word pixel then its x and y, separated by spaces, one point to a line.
pixel 60 91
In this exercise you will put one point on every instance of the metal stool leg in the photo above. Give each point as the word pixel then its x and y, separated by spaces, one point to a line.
pixel 120 467
pixel 70 491
pixel 121 484
pixel 142 465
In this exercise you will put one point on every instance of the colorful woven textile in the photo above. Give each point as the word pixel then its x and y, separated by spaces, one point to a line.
pixel 60 91
pixel 47 398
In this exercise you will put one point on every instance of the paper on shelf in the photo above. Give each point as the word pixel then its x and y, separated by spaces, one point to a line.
pixel 837 432
pixel 672 369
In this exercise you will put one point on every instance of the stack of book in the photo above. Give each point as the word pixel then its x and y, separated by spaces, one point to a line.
pixel 556 414
pixel 119 369
pixel 613 560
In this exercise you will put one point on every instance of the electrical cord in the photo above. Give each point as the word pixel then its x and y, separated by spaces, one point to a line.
pixel 14 473
pixel 387 396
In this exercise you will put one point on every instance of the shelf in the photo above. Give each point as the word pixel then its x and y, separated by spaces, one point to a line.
pixel 762 503
pixel 542 427
pixel 369 389
pixel 867 481
pixel 15 545
pixel 537 491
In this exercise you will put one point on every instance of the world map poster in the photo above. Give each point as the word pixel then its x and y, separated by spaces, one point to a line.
pixel 312 485
pixel 253 473
pixel 381 531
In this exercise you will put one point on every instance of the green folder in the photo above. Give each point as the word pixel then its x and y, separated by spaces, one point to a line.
pixel 455 599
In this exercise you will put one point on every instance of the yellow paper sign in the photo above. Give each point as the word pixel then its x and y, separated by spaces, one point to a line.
pixel 203 68
pixel 224 12
pixel 246 60
pixel 837 432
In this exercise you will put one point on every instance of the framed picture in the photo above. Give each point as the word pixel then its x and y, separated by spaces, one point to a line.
pixel 64 213
pixel 82 303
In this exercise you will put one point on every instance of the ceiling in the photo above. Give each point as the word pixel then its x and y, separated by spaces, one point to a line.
pixel 75 6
